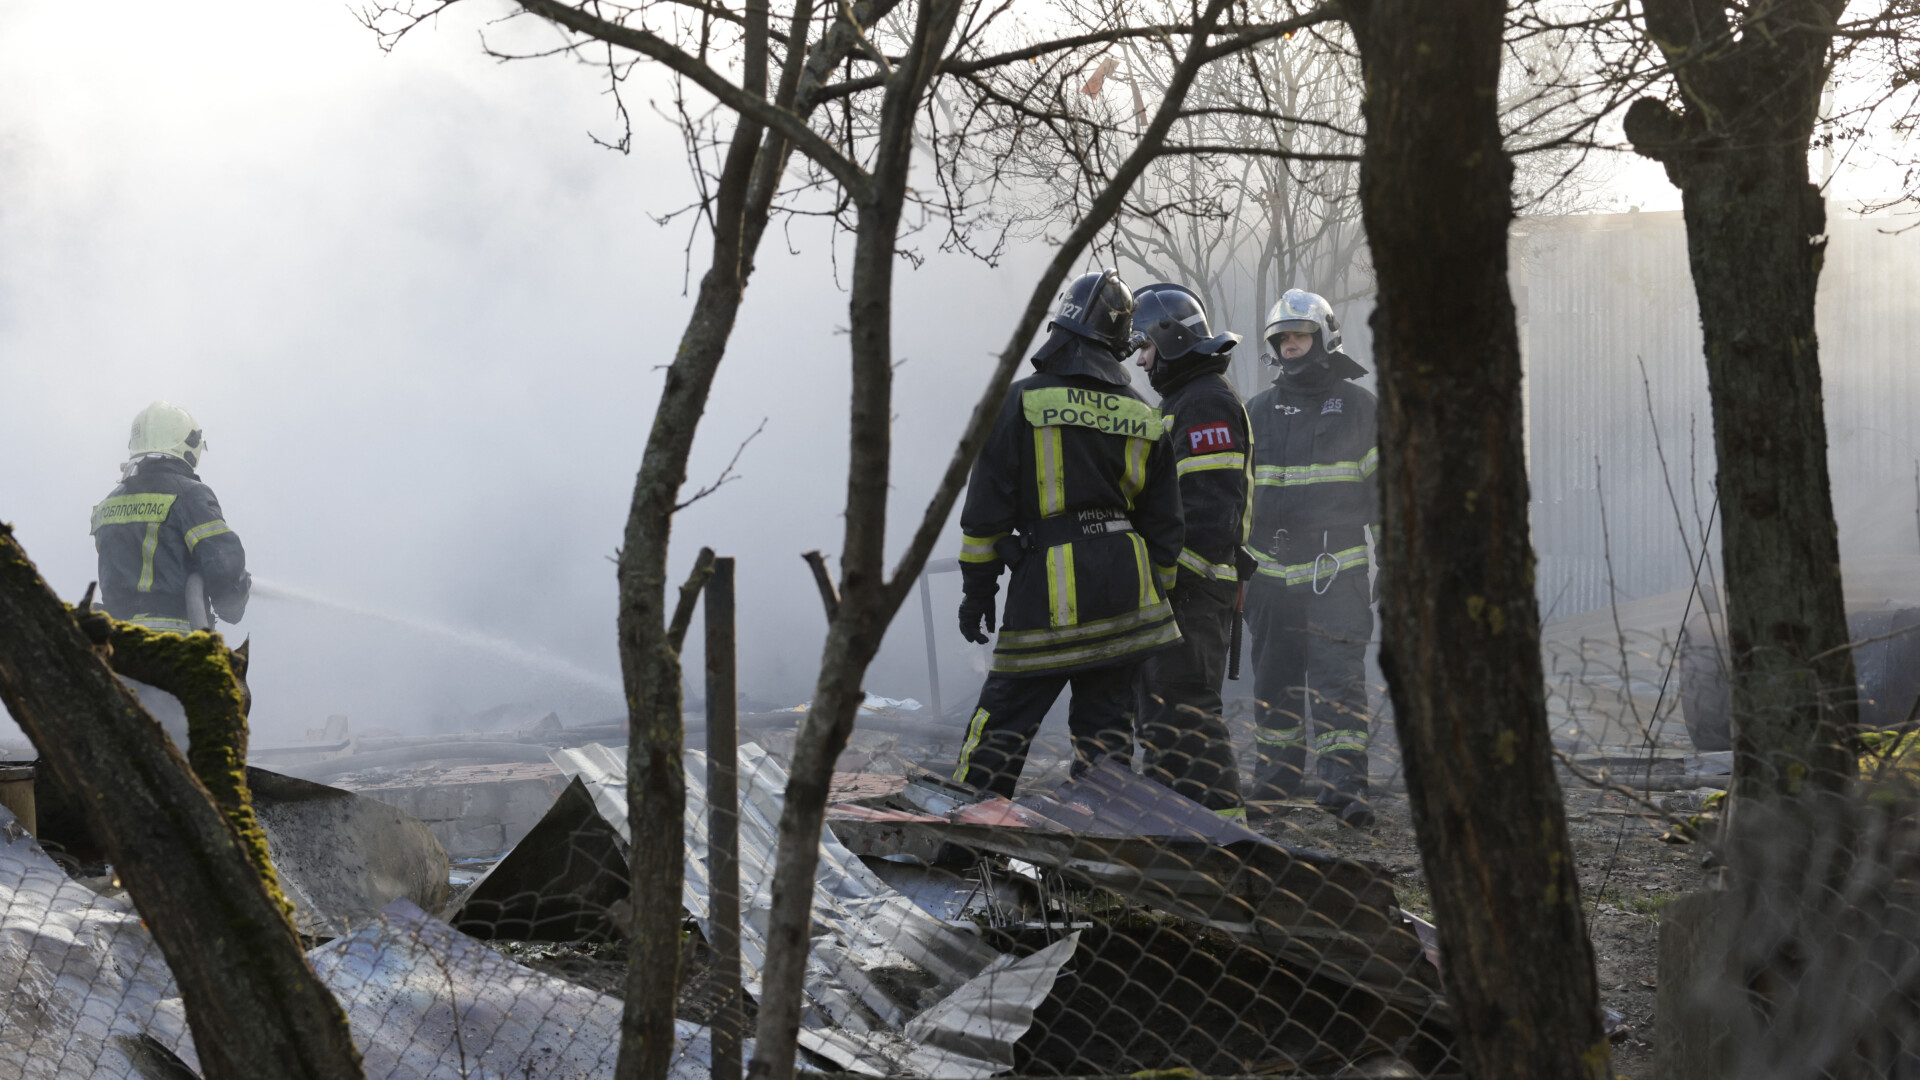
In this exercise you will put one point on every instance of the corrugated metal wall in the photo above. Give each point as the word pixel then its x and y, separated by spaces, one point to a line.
pixel 1601 294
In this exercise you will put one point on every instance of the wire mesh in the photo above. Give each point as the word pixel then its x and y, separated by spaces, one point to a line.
pixel 1095 923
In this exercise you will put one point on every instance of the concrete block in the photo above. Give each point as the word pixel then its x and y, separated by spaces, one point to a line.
pixel 476 811
pixel 1690 1036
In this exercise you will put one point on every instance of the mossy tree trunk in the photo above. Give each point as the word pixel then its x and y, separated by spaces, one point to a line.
pixel 1460 623
pixel 1736 146
pixel 206 676
pixel 254 1005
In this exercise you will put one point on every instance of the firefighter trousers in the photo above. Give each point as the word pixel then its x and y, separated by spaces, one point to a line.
pixel 1099 717
pixel 1309 664
pixel 1183 736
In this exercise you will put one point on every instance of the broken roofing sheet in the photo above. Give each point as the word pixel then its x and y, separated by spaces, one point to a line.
pixel 426 1002
pixel 1122 832
pixel 79 977
pixel 341 858
pixel 891 990
pixel 86 995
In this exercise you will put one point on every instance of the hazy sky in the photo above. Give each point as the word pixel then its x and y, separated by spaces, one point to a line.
pixel 420 317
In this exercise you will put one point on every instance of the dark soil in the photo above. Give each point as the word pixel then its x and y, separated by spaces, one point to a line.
pixel 602 967
pixel 1627 872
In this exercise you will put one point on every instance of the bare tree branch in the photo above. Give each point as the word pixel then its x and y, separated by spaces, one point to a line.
pixel 654 47
pixel 726 475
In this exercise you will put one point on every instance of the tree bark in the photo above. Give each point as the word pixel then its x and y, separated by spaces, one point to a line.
pixel 868 598
pixel 650 666
pixel 205 675
pixel 254 1005
pixel 1460 621
pixel 866 605
pixel 1737 150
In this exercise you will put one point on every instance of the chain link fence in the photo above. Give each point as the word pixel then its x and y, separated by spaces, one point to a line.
pixel 1094 924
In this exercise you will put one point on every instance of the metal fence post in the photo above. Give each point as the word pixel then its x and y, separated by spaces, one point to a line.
pixel 933 656
pixel 723 823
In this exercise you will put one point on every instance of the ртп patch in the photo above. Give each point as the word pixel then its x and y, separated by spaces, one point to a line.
pixel 1208 438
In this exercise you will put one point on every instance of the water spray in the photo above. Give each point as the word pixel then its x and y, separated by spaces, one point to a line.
pixel 525 655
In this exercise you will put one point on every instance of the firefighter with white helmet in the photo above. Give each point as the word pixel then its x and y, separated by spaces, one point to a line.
pixel 1309 610
pixel 168 559
pixel 162 525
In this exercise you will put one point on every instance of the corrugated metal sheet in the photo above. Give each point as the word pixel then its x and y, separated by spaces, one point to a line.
pixel 1602 294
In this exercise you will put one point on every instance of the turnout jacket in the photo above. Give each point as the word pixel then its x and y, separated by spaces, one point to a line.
pixel 1075 490
pixel 158 526
pixel 1211 440
pixel 1316 450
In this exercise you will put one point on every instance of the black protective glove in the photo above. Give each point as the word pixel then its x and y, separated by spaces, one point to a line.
pixel 232 607
pixel 973 609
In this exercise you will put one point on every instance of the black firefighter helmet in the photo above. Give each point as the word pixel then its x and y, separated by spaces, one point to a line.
pixel 1174 322
pixel 1099 307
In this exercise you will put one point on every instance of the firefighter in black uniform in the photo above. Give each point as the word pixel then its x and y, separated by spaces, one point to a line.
pixel 160 527
pixel 1316 449
pixel 1183 734
pixel 1075 492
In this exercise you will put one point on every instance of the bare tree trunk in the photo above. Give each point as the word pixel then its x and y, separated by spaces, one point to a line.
pixel 650 665
pixel 1459 616
pixel 868 598
pixel 649 660
pixel 656 791
pixel 254 1005
pixel 865 607
pixel 1755 239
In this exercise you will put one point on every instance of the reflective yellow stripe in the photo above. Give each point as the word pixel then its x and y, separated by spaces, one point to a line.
pixel 131 510
pixel 975 729
pixel 1246 512
pixel 1293 736
pixel 147 549
pixel 1113 414
pixel 1236 812
pixel 1370 462
pixel 979 549
pixel 1166 576
pixel 1159 631
pixel 201 532
pixel 1301 475
pixel 1136 477
pixel 1063 608
pixel 1147 595
pixel 1335 741
pixel 1302 573
pixel 1011 640
pixel 1210 571
pixel 1046 459
pixel 1208 462
pixel 161 624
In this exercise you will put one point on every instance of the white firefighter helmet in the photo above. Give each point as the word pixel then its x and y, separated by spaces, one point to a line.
pixel 166 428
pixel 1304 311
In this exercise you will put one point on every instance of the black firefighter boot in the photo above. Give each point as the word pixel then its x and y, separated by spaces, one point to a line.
pixel 1344 791
pixel 1279 775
